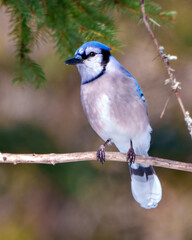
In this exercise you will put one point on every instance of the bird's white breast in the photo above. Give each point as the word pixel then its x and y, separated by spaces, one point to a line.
pixel 97 107
pixel 104 104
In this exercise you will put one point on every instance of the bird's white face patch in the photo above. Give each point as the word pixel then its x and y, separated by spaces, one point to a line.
pixel 94 62
pixel 91 67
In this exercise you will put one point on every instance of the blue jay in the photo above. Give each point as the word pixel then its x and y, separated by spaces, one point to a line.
pixel 116 109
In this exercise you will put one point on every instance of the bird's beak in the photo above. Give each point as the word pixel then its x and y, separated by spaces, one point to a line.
pixel 74 61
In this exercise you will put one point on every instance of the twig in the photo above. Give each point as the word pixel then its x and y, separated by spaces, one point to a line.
pixel 53 159
pixel 166 58
pixel 166 103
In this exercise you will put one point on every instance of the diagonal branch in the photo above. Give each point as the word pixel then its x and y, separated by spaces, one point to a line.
pixel 53 159
pixel 175 86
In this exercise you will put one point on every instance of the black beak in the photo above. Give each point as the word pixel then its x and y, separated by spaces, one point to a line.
pixel 73 61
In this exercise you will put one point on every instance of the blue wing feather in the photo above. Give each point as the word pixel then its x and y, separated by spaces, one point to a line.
pixel 138 87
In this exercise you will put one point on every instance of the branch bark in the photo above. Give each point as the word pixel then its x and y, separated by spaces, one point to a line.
pixel 174 84
pixel 53 159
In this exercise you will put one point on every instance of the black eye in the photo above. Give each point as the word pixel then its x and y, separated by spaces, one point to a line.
pixel 92 54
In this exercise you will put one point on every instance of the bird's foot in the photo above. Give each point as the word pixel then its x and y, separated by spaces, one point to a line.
pixel 101 154
pixel 101 151
pixel 131 154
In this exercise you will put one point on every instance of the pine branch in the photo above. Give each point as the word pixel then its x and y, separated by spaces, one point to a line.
pixel 53 159
pixel 21 16
pixel 175 85
pixel 69 24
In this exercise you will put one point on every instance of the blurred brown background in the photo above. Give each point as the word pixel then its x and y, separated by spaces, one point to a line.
pixel 86 200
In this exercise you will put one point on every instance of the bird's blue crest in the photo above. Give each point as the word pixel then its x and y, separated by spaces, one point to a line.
pixel 93 44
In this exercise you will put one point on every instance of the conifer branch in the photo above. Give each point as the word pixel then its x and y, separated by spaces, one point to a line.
pixel 175 85
pixel 53 159
pixel 69 24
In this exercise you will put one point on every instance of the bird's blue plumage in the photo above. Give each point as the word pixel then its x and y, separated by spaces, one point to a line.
pixel 140 93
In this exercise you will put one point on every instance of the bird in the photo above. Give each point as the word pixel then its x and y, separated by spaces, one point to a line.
pixel 117 111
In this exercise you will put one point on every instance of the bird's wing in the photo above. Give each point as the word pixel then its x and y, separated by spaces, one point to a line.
pixel 128 105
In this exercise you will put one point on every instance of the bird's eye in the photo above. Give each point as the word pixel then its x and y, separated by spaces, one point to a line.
pixel 92 54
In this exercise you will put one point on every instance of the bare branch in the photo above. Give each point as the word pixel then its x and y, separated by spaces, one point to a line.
pixel 175 85
pixel 53 159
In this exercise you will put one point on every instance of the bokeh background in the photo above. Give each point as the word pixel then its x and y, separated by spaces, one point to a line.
pixel 86 200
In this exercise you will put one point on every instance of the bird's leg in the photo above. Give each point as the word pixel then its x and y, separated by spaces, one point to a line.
pixel 131 154
pixel 101 151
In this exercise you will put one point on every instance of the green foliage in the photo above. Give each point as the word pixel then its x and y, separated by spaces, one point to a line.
pixel 73 179
pixel 68 23
pixel 26 139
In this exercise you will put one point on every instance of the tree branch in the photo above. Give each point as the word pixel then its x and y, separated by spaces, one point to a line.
pixel 53 159
pixel 175 85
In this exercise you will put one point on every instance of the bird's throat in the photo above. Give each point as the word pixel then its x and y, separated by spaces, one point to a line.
pixel 96 77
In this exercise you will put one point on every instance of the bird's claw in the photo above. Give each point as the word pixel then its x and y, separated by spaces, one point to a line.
pixel 131 156
pixel 101 154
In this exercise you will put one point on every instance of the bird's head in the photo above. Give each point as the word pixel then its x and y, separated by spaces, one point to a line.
pixel 91 60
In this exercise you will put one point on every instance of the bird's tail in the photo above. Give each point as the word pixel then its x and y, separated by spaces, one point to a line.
pixel 145 185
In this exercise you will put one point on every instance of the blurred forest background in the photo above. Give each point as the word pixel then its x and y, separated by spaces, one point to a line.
pixel 86 200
